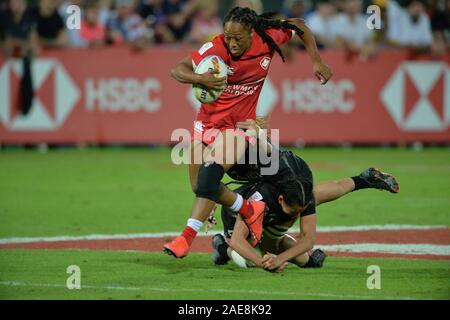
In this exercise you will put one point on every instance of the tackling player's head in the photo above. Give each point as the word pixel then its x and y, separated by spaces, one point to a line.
pixel 295 195
pixel 240 24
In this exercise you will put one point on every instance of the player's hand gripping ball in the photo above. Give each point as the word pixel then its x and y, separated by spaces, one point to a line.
pixel 213 82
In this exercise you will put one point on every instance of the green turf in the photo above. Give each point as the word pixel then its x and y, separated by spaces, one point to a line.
pixel 137 275
pixel 76 192
pixel 109 191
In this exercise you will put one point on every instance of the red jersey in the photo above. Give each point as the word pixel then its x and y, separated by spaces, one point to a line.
pixel 246 77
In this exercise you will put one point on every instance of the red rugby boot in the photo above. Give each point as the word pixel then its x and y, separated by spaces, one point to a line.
pixel 255 221
pixel 178 248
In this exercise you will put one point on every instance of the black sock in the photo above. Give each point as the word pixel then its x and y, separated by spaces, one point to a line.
pixel 309 264
pixel 222 248
pixel 360 183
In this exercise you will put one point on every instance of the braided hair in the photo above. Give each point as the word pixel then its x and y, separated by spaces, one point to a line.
pixel 295 191
pixel 251 20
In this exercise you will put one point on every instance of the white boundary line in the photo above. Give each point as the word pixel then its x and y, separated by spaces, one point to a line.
pixel 203 234
pixel 381 227
pixel 213 290
pixel 410 248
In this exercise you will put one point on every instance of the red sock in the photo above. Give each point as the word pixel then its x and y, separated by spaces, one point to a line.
pixel 246 210
pixel 189 234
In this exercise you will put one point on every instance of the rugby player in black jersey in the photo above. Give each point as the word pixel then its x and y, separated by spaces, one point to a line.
pixel 289 195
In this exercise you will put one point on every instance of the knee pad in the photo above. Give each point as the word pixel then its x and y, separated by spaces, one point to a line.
pixel 208 183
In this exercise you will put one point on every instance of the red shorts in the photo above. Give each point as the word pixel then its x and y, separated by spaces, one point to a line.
pixel 207 132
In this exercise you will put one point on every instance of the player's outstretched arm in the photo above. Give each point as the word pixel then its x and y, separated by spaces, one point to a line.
pixel 306 243
pixel 321 70
pixel 184 73
pixel 240 244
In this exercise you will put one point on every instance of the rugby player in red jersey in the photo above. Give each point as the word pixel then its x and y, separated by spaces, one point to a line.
pixel 247 46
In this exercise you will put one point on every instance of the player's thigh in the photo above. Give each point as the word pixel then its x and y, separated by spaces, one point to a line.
pixel 227 149
pixel 271 245
pixel 196 161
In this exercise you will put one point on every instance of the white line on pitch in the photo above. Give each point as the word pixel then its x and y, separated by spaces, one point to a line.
pixel 212 290
pixel 381 227
pixel 410 248
pixel 203 234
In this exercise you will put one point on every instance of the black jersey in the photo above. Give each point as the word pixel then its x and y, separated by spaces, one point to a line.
pixel 262 187
pixel 290 166
pixel 276 222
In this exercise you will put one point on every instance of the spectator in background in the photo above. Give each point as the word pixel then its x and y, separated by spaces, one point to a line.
pixel 19 28
pixel 3 17
pixel 105 7
pixel 153 8
pixel 320 23
pixel 206 24
pixel 50 25
pixel 440 26
pixel 93 31
pixel 351 32
pixel 295 8
pixel 74 39
pixel 255 5
pixel 21 41
pixel 126 26
pixel 152 11
pixel 179 14
pixel 380 35
pixel 410 27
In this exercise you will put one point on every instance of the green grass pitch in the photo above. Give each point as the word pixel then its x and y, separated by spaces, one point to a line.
pixel 109 191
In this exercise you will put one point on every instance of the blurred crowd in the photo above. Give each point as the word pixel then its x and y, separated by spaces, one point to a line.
pixel 28 26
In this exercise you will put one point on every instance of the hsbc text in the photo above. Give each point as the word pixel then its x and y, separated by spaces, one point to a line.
pixel 310 96
pixel 129 94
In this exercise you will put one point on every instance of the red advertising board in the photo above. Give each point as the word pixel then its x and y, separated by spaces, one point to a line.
pixel 116 95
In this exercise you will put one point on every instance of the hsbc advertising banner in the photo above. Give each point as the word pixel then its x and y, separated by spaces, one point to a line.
pixel 116 95
pixel 388 99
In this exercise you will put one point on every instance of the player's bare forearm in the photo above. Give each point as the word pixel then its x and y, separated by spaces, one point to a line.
pixel 321 70
pixel 307 240
pixel 184 73
pixel 239 243
pixel 308 40
pixel 303 245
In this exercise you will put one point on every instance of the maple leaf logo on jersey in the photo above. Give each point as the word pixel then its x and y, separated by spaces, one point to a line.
pixel 265 62
pixel 216 66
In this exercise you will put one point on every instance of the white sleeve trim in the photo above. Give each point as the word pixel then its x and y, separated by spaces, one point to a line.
pixel 293 34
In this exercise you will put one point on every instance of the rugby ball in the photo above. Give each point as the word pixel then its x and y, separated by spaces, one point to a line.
pixel 211 62
pixel 241 261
